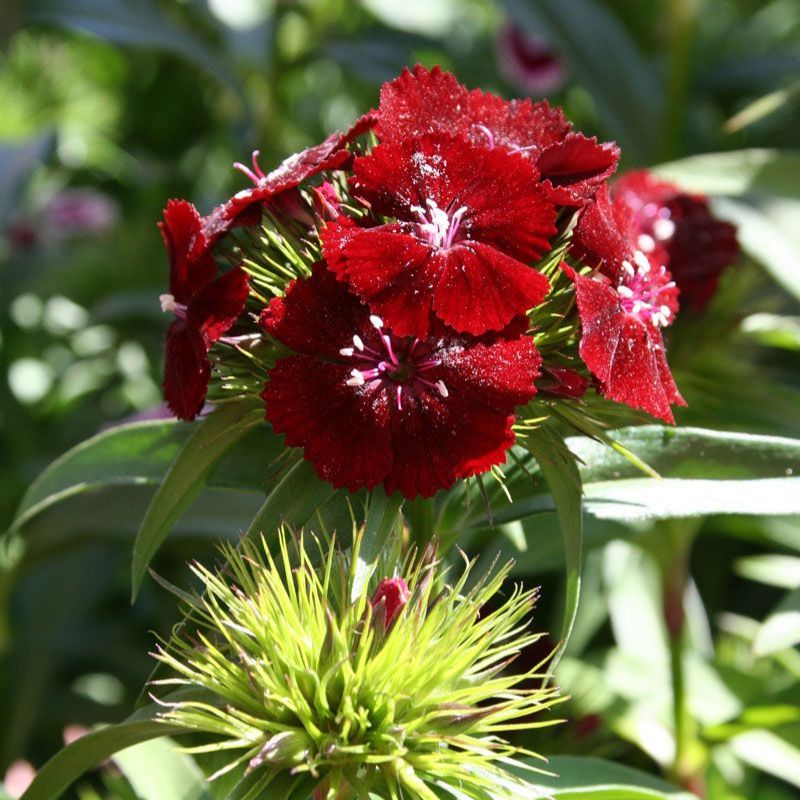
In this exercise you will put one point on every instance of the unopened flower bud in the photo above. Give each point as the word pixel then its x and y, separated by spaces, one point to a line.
pixel 389 600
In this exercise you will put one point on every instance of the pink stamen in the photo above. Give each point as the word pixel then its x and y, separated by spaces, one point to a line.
pixel 256 175
pixel 486 132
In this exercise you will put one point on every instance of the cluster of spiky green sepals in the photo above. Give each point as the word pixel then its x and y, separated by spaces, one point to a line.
pixel 309 693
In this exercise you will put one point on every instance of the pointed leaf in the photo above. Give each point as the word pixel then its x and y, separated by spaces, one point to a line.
pixel 215 435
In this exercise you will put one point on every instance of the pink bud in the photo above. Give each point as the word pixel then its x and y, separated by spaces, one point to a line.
pixel 389 599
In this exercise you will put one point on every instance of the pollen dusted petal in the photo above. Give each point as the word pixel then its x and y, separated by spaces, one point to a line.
pixel 626 355
pixel 343 430
pixel 481 289
pixel 389 268
pixel 186 370
pixel 420 101
pixel 214 309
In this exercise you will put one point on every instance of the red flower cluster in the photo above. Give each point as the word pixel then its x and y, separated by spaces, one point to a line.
pixel 407 326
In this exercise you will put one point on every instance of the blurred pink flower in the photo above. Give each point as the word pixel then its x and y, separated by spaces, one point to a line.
pixel 529 62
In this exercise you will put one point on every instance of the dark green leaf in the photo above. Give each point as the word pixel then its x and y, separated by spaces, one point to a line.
pixel 560 469
pixel 605 60
pixel 594 779
pixel 188 474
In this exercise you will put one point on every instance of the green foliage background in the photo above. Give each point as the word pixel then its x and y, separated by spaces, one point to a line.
pixel 143 100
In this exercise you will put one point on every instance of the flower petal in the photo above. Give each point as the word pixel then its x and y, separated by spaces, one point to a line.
pixel 389 268
pixel 626 355
pixel 191 266
pixel 481 289
pixel 215 309
pixel 186 370
pixel 343 430
pixel 576 167
pixel 317 316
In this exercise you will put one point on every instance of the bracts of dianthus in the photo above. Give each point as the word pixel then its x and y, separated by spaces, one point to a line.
pixel 399 294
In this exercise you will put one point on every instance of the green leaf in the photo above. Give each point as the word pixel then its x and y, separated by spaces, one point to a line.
pixel 134 454
pixel 595 779
pixel 771 569
pixel 185 479
pixel 293 501
pixel 560 469
pixel 603 57
pixel 781 629
pixel 157 771
pixel 705 472
pixel 70 763
pixel 740 172
pixel 383 514
pixel 129 22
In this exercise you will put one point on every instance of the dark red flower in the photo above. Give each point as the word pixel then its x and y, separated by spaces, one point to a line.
pixel 621 340
pixel 205 307
pixel 244 208
pixel 370 408
pixel 528 61
pixel 568 162
pixel 389 600
pixel 679 229
pixel 468 219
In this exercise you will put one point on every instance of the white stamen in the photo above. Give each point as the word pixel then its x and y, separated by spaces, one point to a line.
pixel 624 291
pixel 666 311
pixel 646 243
pixel 357 379
pixel 376 321
pixel 167 303
pixel 441 388
pixel 357 342
pixel 628 267
pixel 346 351
pixel 663 229
pixel 641 261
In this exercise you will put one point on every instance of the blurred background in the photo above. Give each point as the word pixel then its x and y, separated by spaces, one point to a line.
pixel 109 107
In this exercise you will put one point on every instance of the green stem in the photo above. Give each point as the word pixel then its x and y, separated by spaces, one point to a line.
pixel 683 15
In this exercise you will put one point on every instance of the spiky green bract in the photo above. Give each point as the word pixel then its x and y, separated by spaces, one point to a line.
pixel 313 694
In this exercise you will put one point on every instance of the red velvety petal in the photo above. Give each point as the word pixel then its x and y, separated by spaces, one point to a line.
pixel 504 205
pixel 365 123
pixel 436 441
pixel 191 265
pixel 389 268
pixel 604 236
pixel 499 374
pixel 420 101
pixel 215 308
pixel 186 370
pixel 317 316
pixel 514 123
pixel 481 289
pixel 576 167
pixel 244 208
pixel 626 355
pixel 344 431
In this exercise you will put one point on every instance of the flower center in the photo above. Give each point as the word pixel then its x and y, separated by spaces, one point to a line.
pixel 655 226
pixel 400 366
pixel 647 291
pixel 169 304
pixel 437 226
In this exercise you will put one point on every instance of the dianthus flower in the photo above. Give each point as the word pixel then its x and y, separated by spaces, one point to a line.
pixel 623 306
pixel 570 164
pixel 369 407
pixel 205 306
pixel 466 219
pixel 678 229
